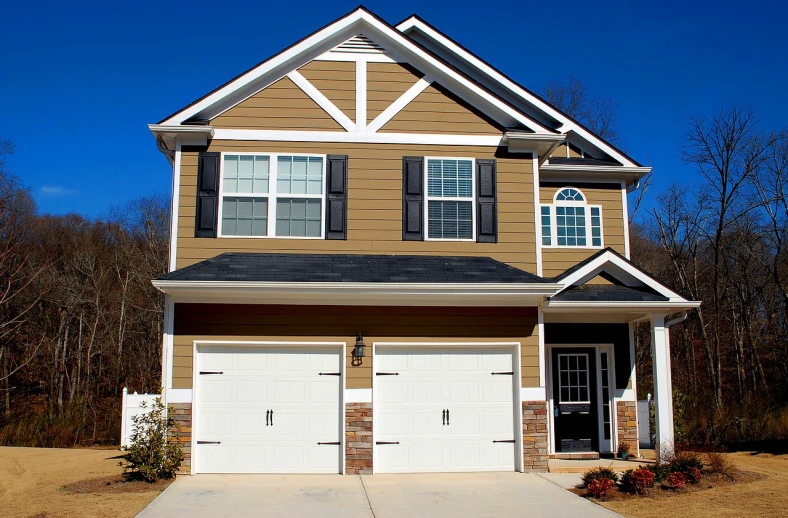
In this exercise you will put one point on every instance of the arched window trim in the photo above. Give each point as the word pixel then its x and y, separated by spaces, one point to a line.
pixel 591 227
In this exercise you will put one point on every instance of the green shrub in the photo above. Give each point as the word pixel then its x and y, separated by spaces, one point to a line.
pixel 599 488
pixel 637 480
pixel 599 473
pixel 660 471
pixel 152 454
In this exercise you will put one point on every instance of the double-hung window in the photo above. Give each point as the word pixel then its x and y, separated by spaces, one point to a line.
pixel 570 221
pixel 272 195
pixel 450 198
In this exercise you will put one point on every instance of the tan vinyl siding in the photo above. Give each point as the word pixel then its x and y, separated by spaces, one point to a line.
pixel 557 260
pixel 386 82
pixel 432 111
pixel 336 80
pixel 560 151
pixel 374 206
pixel 341 323
pixel 281 105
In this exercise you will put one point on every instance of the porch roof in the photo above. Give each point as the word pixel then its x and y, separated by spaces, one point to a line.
pixel 609 293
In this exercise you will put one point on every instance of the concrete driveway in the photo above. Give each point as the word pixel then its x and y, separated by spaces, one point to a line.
pixel 499 495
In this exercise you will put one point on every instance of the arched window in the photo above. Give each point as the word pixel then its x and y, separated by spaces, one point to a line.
pixel 570 221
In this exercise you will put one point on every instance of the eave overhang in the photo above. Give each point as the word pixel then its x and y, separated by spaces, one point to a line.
pixel 168 134
pixel 593 173
pixel 358 294
pixel 667 307
pixel 524 142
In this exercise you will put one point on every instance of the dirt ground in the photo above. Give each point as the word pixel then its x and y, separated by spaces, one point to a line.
pixel 765 497
pixel 64 483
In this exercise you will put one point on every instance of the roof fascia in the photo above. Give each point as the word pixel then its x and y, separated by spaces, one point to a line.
pixel 355 294
pixel 601 307
pixel 591 173
pixel 568 124
pixel 333 34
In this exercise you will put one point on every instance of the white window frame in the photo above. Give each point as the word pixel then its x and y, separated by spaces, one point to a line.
pixel 588 378
pixel 272 195
pixel 587 216
pixel 427 199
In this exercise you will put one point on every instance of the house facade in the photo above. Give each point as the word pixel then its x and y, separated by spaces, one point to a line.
pixel 388 257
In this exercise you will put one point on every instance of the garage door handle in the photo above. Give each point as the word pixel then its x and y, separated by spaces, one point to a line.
pixel 386 442
pixel 508 440
pixel 272 418
pixel 209 442
pixel 335 443
pixel 267 416
pixel 444 417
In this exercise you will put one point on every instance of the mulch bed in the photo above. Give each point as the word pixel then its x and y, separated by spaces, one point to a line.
pixel 115 484
pixel 708 482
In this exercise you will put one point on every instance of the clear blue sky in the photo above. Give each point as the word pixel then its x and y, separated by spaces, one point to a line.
pixel 80 81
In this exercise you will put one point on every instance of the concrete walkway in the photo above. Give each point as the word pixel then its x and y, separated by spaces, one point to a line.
pixel 500 495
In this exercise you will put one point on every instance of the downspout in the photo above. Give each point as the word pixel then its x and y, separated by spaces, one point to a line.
pixel 634 186
pixel 682 318
pixel 170 154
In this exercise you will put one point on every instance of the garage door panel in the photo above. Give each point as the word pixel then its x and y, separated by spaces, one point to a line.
pixel 251 391
pixel 324 392
pixel 233 407
pixel 498 391
pixel 216 390
pixel 250 423
pixel 480 405
pixel 289 392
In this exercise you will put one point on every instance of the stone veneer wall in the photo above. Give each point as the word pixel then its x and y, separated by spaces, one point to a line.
pixel 627 425
pixel 181 413
pixel 535 440
pixel 358 438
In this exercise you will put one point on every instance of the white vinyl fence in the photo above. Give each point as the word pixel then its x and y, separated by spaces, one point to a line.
pixel 132 407
pixel 644 433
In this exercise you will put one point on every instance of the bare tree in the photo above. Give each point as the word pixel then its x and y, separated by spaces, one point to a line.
pixel 597 113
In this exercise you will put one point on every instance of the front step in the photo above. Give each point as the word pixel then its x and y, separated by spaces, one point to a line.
pixel 581 466
pixel 589 455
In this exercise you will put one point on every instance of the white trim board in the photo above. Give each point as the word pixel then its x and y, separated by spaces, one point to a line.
pixel 397 106
pixel 364 138
pixel 322 101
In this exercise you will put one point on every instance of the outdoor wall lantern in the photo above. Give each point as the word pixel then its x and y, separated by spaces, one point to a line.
pixel 358 351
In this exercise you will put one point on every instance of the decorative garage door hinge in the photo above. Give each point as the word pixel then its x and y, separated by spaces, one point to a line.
pixel 329 374
pixel 387 374
pixel 505 373
pixel 386 442
pixel 507 440
pixel 333 443
pixel 211 372
pixel 209 442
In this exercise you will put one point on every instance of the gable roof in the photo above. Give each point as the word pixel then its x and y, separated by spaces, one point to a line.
pixel 631 279
pixel 562 122
pixel 308 268
pixel 358 22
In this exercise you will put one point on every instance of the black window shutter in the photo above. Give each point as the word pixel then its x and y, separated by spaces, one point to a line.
pixel 413 198
pixel 486 201
pixel 207 194
pixel 336 198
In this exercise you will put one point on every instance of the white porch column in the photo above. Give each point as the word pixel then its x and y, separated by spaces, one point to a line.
pixel 663 388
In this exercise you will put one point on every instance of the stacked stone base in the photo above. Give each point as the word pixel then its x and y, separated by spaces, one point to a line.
pixel 627 425
pixel 535 440
pixel 181 413
pixel 358 438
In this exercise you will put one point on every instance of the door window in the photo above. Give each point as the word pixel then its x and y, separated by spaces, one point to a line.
pixel 573 378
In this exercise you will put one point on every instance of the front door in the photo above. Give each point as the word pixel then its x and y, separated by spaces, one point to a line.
pixel 575 413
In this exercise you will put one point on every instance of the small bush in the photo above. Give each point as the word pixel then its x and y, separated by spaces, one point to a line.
pixel 718 464
pixel 684 460
pixel 638 480
pixel 599 488
pixel 676 480
pixel 693 475
pixel 153 453
pixel 598 474
pixel 660 471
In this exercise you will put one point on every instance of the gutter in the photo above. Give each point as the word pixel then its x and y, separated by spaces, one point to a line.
pixel 677 320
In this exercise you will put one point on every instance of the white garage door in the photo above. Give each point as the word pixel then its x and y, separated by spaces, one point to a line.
pixel 443 411
pixel 267 410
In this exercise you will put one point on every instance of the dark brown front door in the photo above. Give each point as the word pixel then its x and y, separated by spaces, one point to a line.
pixel 575 413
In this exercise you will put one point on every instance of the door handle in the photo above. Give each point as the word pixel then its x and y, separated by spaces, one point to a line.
pixel 272 418
pixel 447 416
pixel 267 415
pixel 444 417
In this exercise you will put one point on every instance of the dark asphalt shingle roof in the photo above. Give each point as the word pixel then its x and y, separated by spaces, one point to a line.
pixel 557 160
pixel 608 293
pixel 261 267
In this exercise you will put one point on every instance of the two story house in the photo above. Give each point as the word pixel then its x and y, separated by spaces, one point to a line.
pixel 387 257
